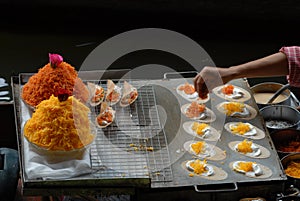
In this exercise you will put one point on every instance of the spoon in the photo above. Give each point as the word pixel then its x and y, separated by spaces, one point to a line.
pixel 277 93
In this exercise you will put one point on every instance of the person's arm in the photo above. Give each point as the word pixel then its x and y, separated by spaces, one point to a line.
pixel 273 65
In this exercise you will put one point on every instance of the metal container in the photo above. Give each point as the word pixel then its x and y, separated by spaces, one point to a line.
pixel 270 87
pixel 282 138
pixel 285 162
pixel 280 117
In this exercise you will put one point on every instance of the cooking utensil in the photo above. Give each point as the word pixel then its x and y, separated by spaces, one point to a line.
pixel 277 93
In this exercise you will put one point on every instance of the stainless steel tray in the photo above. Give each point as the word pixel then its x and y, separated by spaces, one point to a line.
pixel 161 126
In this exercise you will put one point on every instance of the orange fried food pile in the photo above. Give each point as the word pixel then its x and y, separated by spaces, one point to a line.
pixel 199 166
pixel 187 88
pixel 60 125
pixel 48 80
pixel 228 90
pixel 195 109
pixel 293 169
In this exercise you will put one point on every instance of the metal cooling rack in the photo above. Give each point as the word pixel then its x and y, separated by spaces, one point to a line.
pixel 135 144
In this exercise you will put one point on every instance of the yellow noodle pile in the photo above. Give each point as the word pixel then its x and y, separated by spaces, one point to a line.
pixel 293 169
pixel 59 125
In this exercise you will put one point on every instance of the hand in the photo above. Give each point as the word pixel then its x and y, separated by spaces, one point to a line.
pixel 211 77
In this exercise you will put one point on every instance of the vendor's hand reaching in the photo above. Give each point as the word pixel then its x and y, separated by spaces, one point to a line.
pixel 211 77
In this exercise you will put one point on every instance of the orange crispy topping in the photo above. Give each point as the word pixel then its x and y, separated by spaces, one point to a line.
pixel 246 166
pixel 228 90
pixel 198 166
pixel 240 128
pixel 245 146
pixel 187 88
pixel 198 147
pixel 199 127
pixel 195 110
pixel 232 107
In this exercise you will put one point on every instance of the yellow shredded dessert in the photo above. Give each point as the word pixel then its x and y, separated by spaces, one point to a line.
pixel 199 166
pixel 60 125
pixel 246 166
pixel 240 128
pixel 199 127
pixel 245 146
pixel 293 169
pixel 232 107
pixel 198 147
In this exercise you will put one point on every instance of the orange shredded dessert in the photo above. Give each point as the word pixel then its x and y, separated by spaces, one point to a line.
pixel 198 147
pixel 48 80
pixel 293 169
pixel 199 127
pixel 240 128
pixel 195 109
pixel 246 166
pixel 199 166
pixel 232 107
pixel 187 88
pixel 228 90
pixel 60 125
pixel 245 146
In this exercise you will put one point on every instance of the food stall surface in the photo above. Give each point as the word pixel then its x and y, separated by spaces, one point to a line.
pixel 120 163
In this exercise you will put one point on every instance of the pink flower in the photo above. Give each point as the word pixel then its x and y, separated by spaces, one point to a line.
pixel 55 60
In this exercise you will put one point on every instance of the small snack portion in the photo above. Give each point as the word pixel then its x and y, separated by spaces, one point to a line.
pixel 60 124
pixel 106 116
pixel 130 94
pixel 200 167
pixel 53 76
pixel 231 92
pixel 97 94
pixel 237 109
pixel 198 111
pixel 188 92
pixel 250 149
pixel 201 130
pixel 113 94
pixel 245 130
pixel 293 169
pixel 241 128
pixel 248 168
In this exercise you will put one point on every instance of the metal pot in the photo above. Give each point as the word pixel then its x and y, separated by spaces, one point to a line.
pixel 285 162
pixel 282 138
pixel 270 87
pixel 278 117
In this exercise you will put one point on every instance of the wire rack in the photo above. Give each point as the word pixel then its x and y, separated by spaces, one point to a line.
pixel 134 145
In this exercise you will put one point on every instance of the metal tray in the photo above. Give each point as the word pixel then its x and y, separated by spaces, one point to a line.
pixel 158 124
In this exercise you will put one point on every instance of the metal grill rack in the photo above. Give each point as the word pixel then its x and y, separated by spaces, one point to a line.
pixel 134 145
